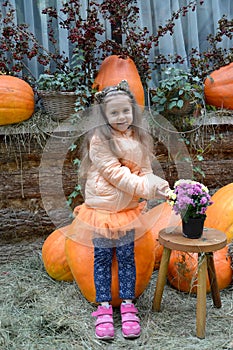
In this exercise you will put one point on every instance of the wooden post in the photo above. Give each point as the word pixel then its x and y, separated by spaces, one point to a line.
pixel 201 296
pixel 213 280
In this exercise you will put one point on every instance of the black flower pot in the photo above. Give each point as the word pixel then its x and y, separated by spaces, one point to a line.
pixel 193 228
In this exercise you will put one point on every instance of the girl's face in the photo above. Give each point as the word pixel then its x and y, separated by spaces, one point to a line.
pixel 119 112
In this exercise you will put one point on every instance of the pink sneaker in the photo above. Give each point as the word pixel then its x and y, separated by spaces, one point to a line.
pixel 104 323
pixel 130 322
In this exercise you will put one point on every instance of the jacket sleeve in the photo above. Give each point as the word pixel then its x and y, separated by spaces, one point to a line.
pixel 146 186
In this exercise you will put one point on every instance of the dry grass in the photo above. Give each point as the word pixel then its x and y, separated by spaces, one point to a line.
pixel 38 313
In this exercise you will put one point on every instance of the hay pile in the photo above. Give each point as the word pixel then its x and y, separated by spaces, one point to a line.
pixel 38 313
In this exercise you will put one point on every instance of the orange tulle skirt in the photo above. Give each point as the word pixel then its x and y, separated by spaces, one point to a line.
pixel 90 223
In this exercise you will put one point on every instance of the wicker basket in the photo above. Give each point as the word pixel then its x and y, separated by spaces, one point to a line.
pixel 59 105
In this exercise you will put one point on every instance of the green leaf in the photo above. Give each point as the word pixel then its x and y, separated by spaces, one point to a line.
pixel 200 157
pixel 163 100
pixel 77 161
pixel 72 147
pixel 73 194
pixel 69 201
pixel 180 103
pixel 172 104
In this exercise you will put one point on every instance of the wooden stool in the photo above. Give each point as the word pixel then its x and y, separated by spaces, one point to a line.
pixel 211 240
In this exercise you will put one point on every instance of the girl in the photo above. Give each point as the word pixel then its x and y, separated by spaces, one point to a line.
pixel 116 168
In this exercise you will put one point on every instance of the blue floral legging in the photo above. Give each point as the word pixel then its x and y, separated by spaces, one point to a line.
pixel 103 254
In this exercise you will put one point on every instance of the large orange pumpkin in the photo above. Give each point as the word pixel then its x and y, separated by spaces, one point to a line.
pixel 218 87
pixel 16 100
pixel 220 213
pixel 81 262
pixel 182 270
pixel 54 258
pixel 115 69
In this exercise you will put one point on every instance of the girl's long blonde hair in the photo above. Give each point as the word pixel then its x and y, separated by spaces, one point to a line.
pixel 104 131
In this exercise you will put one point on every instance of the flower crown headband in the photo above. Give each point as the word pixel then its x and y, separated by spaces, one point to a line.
pixel 123 86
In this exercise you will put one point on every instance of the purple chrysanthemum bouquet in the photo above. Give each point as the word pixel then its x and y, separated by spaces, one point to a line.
pixel 190 199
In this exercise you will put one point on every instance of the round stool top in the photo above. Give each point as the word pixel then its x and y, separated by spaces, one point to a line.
pixel 211 240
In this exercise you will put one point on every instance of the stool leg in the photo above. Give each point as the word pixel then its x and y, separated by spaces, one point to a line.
pixel 161 278
pixel 201 296
pixel 213 280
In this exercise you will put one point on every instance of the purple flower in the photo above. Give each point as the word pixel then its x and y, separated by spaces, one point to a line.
pixel 203 200
pixel 191 199
pixel 203 210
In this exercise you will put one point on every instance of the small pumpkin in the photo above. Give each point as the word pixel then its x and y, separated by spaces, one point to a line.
pixel 182 270
pixel 220 213
pixel 81 261
pixel 17 101
pixel 218 87
pixel 54 257
pixel 113 70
